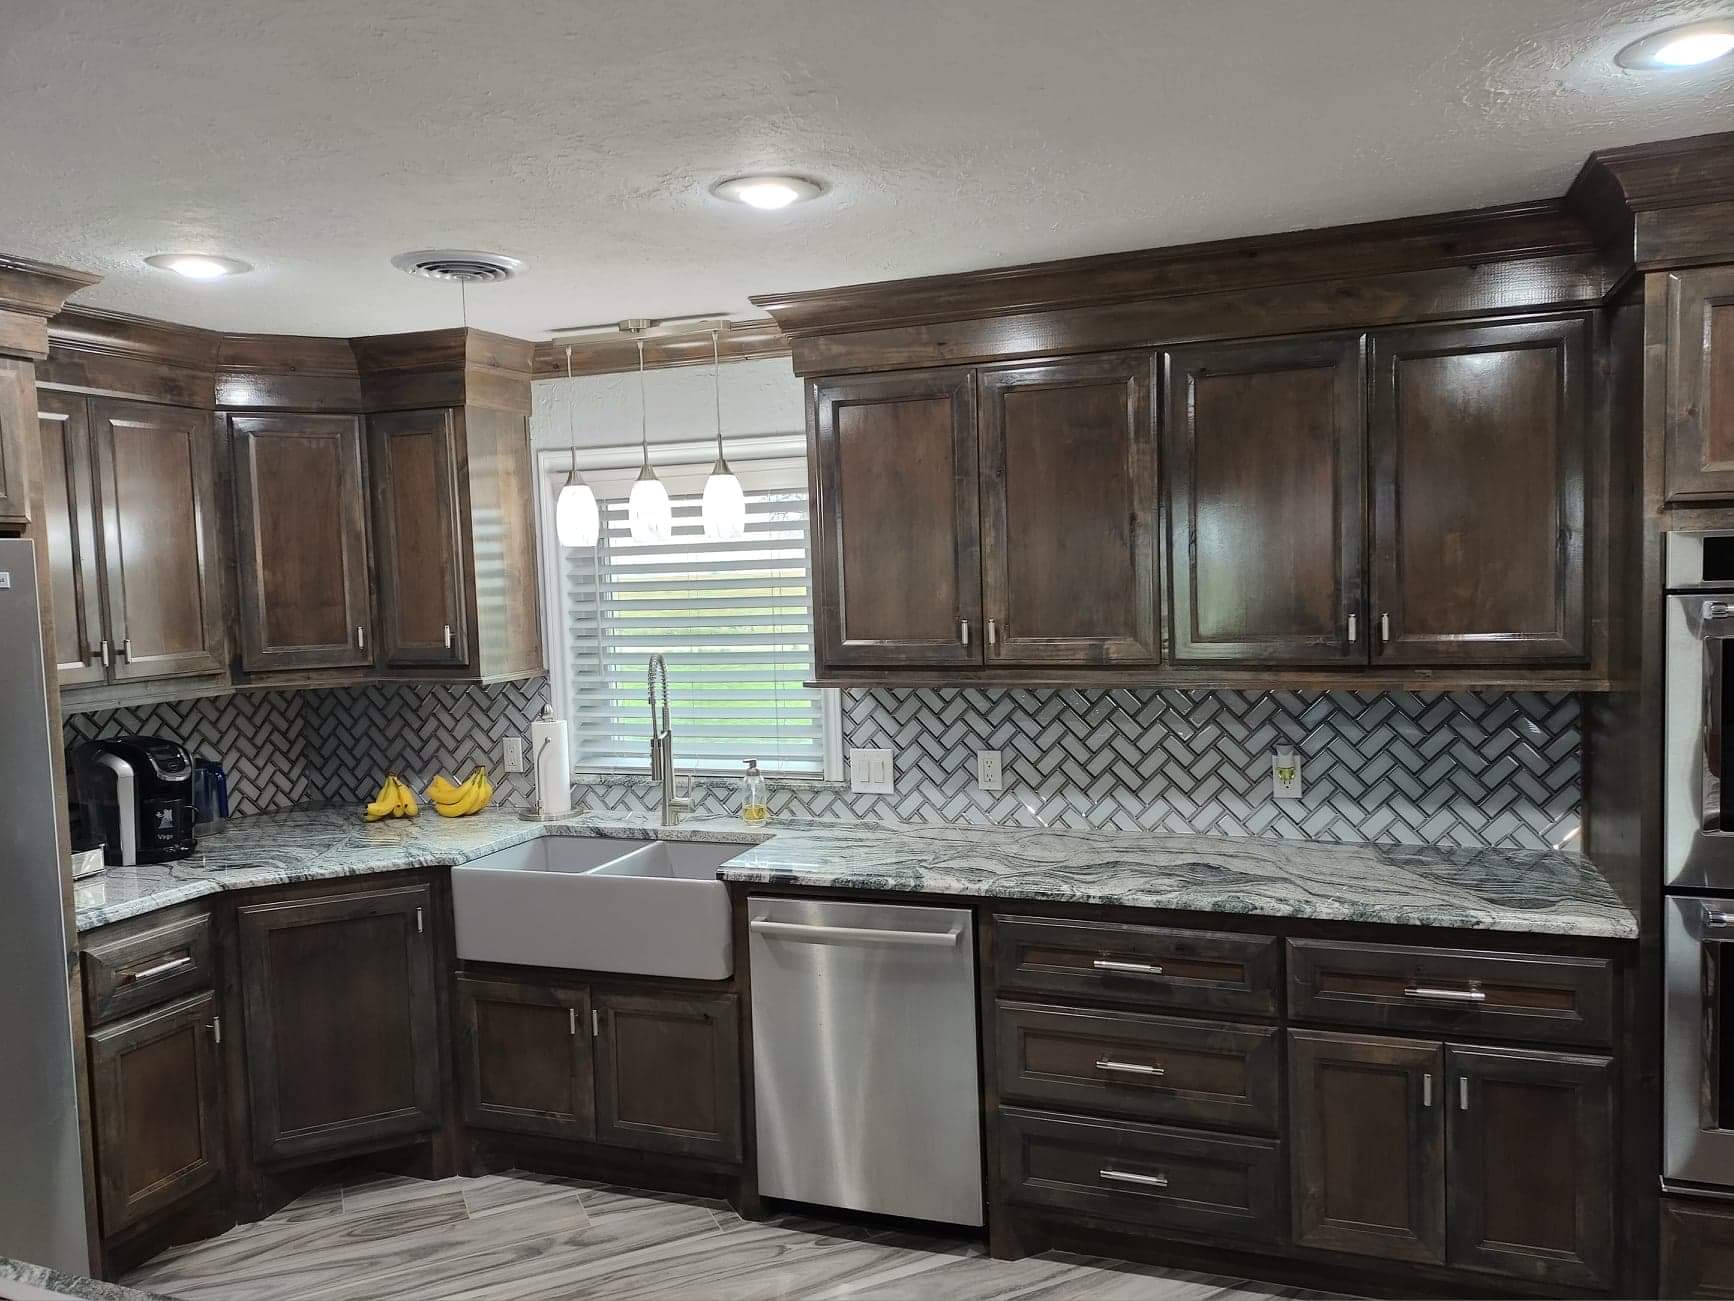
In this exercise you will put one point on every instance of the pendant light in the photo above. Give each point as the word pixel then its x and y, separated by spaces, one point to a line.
pixel 577 522
pixel 725 505
pixel 648 512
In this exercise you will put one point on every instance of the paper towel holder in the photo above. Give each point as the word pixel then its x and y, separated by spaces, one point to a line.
pixel 536 814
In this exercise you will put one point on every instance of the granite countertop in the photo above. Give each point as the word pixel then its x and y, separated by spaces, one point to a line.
pixel 27 1282
pixel 1539 892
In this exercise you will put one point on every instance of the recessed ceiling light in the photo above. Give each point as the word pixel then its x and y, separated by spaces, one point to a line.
pixel 767 192
pixel 198 266
pixel 1680 47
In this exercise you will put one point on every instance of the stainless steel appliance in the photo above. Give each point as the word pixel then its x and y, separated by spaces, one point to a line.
pixel 1698 1040
pixel 137 796
pixel 1698 783
pixel 864 1057
pixel 41 1177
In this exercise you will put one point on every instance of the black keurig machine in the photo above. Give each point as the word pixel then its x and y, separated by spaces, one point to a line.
pixel 136 795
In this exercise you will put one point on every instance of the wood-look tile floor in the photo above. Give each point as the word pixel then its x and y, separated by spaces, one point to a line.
pixel 522 1237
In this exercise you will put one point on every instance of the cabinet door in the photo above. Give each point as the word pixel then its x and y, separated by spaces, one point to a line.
pixel 413 457
pixel 1264 447
pixel 896 530
pixel 156 474
pixel 17 400
pixel 1700 420
pixel 341 1020
pixel 1478 446
pixel 69 518
pixel 1697 1249
pixel 1368 1136
pixel 524 1058
pixel 157 1110
pixel 1068 507
pixel 301 541
pixel 1532 1164
pixel 668 1073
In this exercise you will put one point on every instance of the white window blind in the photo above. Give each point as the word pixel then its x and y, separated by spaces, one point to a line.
pixel 733 619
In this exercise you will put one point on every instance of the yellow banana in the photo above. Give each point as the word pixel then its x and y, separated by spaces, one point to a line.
pixel 458 802
pixel 406 805
pixel 441 790
pixel 384 804
pixel 487 789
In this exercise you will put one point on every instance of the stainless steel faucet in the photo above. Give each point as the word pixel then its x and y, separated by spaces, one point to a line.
pixel 662 748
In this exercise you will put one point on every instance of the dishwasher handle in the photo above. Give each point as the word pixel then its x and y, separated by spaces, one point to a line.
pixel 803 931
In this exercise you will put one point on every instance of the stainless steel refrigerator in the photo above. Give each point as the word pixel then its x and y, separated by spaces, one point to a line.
pixel 41 1173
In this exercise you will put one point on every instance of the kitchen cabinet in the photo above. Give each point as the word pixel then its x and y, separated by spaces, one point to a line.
pixel 301 541
pixel 525 1057
pixel 70 514
pixel 1068 512
pixel 897 538
pixel 414 458
pixel 157 1109
pixel 1697 1239
pixel 1263 448
pixel 342 1026
pixel 1479 444
pixel 17 379
pixel 668 1072
pixel 1699 439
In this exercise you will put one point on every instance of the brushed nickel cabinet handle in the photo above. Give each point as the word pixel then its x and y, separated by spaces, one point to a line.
pixel 1354 630
pixel 104 652
pixel 1385 627
pixel 360 637
pixel 964 634
pixel 1427 1089
pixel 1129 1068
pixel 1127 1177
pixel 1132 968
pixel 595 1023
pixel 572 1022
pixel 1463 1093
pixel 215 1026
pixel 448 636
pixel 992 634
pixel 1470 995
pixel 126 649
pixel 161 969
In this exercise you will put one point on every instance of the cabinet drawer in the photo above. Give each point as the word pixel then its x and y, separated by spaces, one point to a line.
pixel 1150 966
pixel 1539 998
pixel 140 970
pixel 1142 1174
pixel 1152 1067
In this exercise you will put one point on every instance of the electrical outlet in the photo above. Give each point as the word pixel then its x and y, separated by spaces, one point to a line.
pixel 988 773
pixel 872 772
pixel 1285 775
pixel 512 754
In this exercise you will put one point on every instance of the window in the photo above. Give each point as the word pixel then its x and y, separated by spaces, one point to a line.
pixel 733 619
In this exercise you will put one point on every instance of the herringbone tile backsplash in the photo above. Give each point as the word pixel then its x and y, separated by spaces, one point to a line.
pixel 1397 767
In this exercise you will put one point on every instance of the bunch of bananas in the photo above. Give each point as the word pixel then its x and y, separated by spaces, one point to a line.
pixel 395 800
pixel 454 801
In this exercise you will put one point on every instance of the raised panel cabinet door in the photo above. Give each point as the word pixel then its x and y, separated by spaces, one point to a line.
pixel 301 541
pixel 156 472
pixel 81 647
pixel 416 465
pixel 1697 1248
pixel 897 527
pixel 1531 1160
pixel 525 1060
pixel 157 1110
pixel 17 399
pixel 1479 443
pixel 342 1023
pixel 1068 511
pixel 668 1072
pixel 1699 455
pixel 1264 445
pixel 1366 1121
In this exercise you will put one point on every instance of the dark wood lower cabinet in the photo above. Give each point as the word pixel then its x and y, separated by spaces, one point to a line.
pixel 668 1072
pixel 157 1109
pixel 525 1057
pixel 1697 1248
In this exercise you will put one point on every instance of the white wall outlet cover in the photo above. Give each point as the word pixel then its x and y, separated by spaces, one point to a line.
pixel 512 754
pixel 872 772
pixel 1285 775
pixel 989 773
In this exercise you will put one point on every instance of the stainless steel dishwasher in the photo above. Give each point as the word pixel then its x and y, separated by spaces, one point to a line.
pixel 864 1057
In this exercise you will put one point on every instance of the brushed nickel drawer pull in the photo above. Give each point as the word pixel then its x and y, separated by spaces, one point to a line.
pixel 1135 968
pixel 1427 1088
pixel 992 635
pixel 1129 1068
pixel 1446 995
pixel 1354 630
pixel 963 632
pixel 161 969
pixel 1127 1177
pixel 1463 1093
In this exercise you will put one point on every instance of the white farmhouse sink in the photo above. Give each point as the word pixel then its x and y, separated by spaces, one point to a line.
pixel 651 908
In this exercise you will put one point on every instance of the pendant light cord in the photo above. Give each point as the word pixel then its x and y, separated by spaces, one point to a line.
pixel 716 389
pixel 571 419
pixel 643 417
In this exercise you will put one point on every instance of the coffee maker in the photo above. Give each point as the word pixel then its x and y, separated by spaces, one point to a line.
pixel 136 794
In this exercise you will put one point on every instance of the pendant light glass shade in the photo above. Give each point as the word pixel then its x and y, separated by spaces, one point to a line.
pixel 649 515
pixel 577 522
pixel 725 504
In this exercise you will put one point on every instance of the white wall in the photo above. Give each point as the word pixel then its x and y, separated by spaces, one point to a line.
pixel 761 396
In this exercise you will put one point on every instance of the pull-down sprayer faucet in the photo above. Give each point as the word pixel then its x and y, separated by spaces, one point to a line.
pixel 662 747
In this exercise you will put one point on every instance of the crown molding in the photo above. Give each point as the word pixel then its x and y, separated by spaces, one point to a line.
pixel 613 354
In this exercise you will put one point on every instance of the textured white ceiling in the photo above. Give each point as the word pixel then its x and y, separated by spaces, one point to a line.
pixel 316 138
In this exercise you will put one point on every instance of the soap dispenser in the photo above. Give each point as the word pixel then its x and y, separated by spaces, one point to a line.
pixel 755 796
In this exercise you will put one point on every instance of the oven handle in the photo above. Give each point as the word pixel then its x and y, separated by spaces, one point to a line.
pixel 1716 917
pixel 1715 626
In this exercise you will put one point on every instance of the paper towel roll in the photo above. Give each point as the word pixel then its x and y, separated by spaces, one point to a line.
pixel 550 744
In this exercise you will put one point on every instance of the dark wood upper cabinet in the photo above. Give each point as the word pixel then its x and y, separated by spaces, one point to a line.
pixel 70 521
pixel 1068 512
pixel 418 535
pixel 156 1109
pixel 156 481
pixel 16 401
pixel 897 537
pixel 668 1072
pixel 525 1057
pixel 1366 1120
pixel 1479 442
pixel 1531 1162
pixel 1700 421
pixel 301 541
pixel 1263 447
pixel 342 1020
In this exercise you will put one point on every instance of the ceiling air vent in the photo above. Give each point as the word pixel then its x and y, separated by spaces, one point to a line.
pixel 463 264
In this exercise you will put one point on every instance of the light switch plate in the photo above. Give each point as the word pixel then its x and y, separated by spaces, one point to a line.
pixel 1285 775
pixel 512 754
pixel 989 775
pixel 872 772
